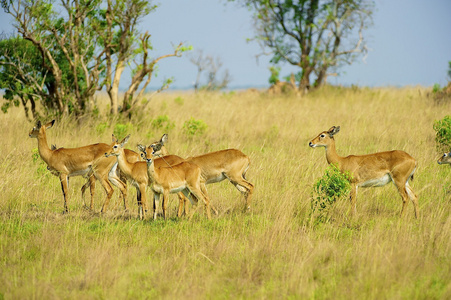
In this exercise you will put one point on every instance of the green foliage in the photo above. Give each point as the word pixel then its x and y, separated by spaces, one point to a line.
pixel 179 100
pixel 121 130
pixel 443 134
pixel 286 27
pixel 194 127
pixel 436 88
pixel 64 73
pixel 333 185
pixel 41 166
pixel 102 127
pixel 275 72
pixel 163 123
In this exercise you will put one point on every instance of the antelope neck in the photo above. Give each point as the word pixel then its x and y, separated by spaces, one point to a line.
pixel 44 151
pixel 331 154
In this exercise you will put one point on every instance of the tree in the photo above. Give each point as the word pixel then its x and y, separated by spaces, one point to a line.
pixel 211 65
pixel 124 45
pixel 314 35
pixel 82 45
pixel 22 78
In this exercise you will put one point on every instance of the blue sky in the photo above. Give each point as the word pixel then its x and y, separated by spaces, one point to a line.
pixel 410 43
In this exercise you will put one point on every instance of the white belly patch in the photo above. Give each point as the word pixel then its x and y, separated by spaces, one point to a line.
pixel 381 181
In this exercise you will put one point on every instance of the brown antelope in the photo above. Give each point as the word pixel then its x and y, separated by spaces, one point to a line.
pixel 138 173
pixel 372 170
pixel 102 167
pixel 445 159
pixel 135 172
pixel 69 162
pixel 184 177
pixel 216 166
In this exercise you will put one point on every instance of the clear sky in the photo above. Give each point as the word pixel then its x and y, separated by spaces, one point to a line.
pixel 410 43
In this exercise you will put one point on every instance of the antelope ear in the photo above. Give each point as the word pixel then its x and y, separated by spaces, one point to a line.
pixel 113 138
pixel 124 141
pixel 333 130
pixel 164 139
pixel 38 124
pixel 142 148
pixel 49 124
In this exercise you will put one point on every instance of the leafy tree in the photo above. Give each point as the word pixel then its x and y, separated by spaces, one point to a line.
pixel 82 46
pixel 24 78
pixel 124 45
pixel 314 35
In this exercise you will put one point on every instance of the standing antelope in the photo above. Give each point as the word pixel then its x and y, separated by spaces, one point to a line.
pixel 184 177
pixel 445 159
pixel 216 166
pixel 105 167
pixel 69 162
pixel 372 170
pixel 135 172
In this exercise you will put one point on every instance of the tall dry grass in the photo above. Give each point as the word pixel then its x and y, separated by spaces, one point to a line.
pixel 271 252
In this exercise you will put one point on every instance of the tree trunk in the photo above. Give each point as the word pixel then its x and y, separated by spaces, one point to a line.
pixel 113 92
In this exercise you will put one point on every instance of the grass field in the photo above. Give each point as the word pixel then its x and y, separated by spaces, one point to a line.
pixel 272 252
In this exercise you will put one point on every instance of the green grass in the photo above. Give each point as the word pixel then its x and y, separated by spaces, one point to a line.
pixel 271 252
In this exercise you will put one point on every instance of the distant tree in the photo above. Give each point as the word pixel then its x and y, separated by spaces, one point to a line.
pixel 82 46
pixel 314 35
pixel 211 65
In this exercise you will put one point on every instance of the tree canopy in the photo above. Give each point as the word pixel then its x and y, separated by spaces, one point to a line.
pixel 69 49
pixel 317 36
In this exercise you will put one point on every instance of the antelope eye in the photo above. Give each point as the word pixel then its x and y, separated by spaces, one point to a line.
pixel 115 147
pixel 322 135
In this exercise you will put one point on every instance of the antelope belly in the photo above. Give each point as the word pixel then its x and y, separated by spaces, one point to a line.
pixel 375 182
pixel 177 189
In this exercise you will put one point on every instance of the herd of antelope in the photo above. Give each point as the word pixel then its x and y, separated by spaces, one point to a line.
pixel 113 164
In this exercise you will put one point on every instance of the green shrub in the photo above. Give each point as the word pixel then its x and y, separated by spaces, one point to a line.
pixel 162 123
pixel 332 186
pixel 443 134
pixel 194 127
pixel 101 128
pixel 436 88
pixel 179 100
pixel 41 165
pixel 275 73
pixel 121 130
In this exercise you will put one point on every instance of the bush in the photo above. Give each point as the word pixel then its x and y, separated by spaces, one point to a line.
pixel 332 186
pixel 41 170
pixel 163 122
pixel 121 130
pixel 443 134
pixel 101 128
pixel 194 127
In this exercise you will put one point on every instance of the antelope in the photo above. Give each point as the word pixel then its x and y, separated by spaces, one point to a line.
pixel 102 168
pixel 135 172
pixel 69 162
pixel 184 177
pixel 372 170
pixel 445 159
pixel 216 166
pixel 131 156
pixel 166 160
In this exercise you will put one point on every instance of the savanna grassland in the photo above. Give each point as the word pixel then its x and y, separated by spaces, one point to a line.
pixel 273 252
